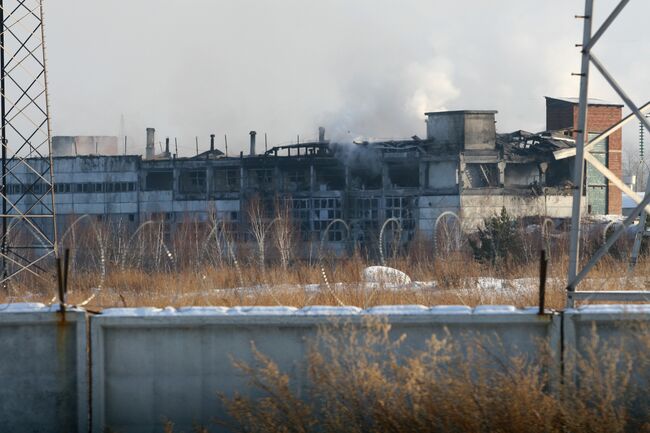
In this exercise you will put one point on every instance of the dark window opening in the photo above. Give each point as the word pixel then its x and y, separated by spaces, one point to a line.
pixel 193 181
pixel 330 178
pixel 405 176
pixel 226 180
pixel 159 181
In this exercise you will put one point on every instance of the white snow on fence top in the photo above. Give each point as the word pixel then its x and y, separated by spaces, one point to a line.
pixel 320 310
pixel 33 307
pixel 390 310
pixel 612 309
pixel 323 310
pixel 326 310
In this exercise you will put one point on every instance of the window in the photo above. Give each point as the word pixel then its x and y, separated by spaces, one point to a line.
pixel 158 181
pixel 261 178
pixel 226 180
pixel 193 181
pixel 264 176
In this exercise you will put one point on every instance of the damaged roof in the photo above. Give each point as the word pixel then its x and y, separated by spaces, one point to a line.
pixel 525 146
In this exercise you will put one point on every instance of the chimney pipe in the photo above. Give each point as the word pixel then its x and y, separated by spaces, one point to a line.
pixel 167 146
pixel 150 150
pixel 211 142
pixel 321 134
pixel 253 134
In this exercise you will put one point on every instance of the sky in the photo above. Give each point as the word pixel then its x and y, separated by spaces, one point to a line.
pixel 360 68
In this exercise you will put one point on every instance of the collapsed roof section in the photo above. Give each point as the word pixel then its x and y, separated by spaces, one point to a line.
pixel 523 146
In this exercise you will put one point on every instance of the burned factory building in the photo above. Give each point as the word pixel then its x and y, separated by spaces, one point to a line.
pixel 462 168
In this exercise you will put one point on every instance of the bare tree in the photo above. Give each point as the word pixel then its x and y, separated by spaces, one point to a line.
pixel 634 165
pixel 283 230
pixel 257 226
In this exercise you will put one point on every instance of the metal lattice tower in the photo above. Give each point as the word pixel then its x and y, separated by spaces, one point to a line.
pixel 28 240
pixel 582 154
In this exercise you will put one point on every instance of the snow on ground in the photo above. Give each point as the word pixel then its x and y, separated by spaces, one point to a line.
pixel 385 275
pixel 488 290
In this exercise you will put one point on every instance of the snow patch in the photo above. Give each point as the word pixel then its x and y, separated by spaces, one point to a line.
pixel 203 311
pixel 25 307
pixel 451 309
pixel 132 312
pixel 262 311
pixel 385 275
pixel 34 307
pixel 613 309
pixel 392 310
pixel 495 309
pixel 323 310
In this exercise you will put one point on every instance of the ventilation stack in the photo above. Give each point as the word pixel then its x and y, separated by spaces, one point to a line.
pixel 252 150
pixel 150 151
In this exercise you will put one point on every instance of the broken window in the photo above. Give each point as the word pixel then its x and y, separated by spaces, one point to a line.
pixel 193 181
pixel 481 176
pixel 159 180
pixel 559 173
pixel 330 178
pixel 404 175
pixel 297 180
pixel 366 179
pixel 400 208
pixel 324 211
pixel 226 180
pixel 261 178
pixel 366 208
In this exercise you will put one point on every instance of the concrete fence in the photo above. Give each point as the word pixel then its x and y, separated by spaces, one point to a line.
pixel 151 365
pixel 43 369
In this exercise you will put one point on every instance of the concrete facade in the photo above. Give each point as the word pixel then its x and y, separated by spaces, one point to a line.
pixel 463 166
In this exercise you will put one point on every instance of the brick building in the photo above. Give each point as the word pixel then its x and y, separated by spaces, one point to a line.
pixel 562 113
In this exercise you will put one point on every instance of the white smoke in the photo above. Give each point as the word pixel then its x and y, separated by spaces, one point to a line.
pixel 433 86
pixel 392 105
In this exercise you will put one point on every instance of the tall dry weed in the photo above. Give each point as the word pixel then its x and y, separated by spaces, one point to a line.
pixel 361 381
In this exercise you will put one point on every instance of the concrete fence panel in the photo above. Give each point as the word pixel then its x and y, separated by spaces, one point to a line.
pixel 152 365
pixel 43 364
pixel 609 329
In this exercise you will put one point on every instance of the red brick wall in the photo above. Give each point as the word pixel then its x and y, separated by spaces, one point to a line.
pixel 563 115
pixel 599 118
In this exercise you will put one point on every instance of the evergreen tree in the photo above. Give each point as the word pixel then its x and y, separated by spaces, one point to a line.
pixel 498 240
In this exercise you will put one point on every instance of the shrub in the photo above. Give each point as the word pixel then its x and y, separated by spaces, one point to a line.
pixel 358 382
pixel 499 239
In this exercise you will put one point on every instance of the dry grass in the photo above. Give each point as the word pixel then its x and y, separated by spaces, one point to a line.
pixel 449 281
pixel 358 382
pixel 201 266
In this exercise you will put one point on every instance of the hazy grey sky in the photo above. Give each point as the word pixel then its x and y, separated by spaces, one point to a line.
pixel 284 67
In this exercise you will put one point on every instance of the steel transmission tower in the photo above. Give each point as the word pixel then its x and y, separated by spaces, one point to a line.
pixel 28 240
pixel 582 153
